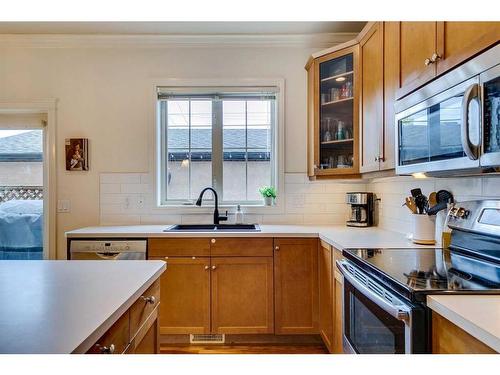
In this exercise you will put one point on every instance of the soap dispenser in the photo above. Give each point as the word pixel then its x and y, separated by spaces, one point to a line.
pixel 238 217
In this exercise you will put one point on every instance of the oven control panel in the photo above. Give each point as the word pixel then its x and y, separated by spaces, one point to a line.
pixel 476 216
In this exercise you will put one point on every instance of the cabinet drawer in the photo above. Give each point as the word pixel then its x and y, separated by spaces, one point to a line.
pixel 242 247
pixel 179 247
pixel 143 307
pixel 115 340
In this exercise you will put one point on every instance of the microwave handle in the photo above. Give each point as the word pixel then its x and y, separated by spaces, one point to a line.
pixel 400 312
pixel 470 149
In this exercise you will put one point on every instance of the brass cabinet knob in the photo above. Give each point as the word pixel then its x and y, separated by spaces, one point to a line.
pixel 435 57
pixel 207 267
pixel 276 248
pixel 214 267
pixel 150 299
pixel 166 257
pixel 193 257
pixel 212 240
pixel 428 62
pixel 107 349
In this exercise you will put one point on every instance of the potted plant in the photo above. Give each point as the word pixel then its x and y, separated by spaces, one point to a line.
pixel 269 194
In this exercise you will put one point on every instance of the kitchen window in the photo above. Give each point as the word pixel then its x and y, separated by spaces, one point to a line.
pixel 223 137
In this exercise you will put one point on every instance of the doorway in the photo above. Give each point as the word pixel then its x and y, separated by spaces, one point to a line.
pixel 23 186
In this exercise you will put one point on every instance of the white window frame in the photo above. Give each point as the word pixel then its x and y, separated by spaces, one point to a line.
pixel 279 137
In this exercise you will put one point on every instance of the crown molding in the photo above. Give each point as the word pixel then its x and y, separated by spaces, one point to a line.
pixel 323 40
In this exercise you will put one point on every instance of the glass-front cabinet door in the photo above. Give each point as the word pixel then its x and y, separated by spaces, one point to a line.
pixel 335 135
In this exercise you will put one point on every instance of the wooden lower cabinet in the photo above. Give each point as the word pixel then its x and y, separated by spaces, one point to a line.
pixel 296 297
pixel 242 295
pixel 185 295
pixel 326 307
pixel 338 324
pixel 448 338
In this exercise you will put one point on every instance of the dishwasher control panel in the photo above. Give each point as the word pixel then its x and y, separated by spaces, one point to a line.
pixel 121 246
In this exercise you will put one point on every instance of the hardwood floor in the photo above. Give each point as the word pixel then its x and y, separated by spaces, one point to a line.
pixel 244 349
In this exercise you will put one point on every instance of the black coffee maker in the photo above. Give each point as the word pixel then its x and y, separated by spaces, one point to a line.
pixel 361 209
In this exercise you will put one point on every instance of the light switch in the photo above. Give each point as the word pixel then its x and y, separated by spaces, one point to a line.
pixel 63 206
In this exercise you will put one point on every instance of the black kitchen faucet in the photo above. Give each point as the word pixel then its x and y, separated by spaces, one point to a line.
pixel 217 217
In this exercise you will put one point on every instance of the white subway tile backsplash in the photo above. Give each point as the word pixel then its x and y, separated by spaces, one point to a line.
pixel 127 198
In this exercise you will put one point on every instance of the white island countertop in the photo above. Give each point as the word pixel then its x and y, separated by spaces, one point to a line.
pixel 478 315
pixel 66 306
pixel 339 236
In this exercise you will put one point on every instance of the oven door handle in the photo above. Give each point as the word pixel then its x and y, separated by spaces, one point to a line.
pixel 470 149
pixel 400 312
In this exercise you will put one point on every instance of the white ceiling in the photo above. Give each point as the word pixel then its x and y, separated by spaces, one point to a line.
pixel 179 28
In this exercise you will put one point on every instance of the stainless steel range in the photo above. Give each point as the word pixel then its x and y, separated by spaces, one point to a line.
pixel 385 289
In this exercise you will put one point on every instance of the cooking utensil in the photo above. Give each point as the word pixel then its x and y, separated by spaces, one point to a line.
pixel 443 197
pixel 415 192
pixel 410 203
pixel 432 199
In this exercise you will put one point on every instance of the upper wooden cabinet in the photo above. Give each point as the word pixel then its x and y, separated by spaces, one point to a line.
pixel 372 98
pixel 333 114
pixel 428 49
pixel 458 41
pixel 417 41
pixel 379 81
pixel 296 285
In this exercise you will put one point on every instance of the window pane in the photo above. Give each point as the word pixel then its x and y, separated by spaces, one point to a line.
pixel 201 172
pixel 234 172
pixel 259 172
pixel 259 112
pixel 234 112
pixel 177 178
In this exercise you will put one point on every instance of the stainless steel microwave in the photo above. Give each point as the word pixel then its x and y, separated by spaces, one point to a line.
pixel 452 125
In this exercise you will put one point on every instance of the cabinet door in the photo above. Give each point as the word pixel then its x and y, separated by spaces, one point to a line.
pixel 339 310
pixel 326 296
pixel 336 125
pixel 372 97
pixel 185 296
pixel 242 295
pixel 391 85
pixel 296 285
pixel 458 41
pixel 417 43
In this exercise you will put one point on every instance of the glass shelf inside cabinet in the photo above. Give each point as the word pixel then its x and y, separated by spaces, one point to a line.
pixel 336 113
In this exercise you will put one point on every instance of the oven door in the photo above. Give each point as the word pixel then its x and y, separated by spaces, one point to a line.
pixel 375 320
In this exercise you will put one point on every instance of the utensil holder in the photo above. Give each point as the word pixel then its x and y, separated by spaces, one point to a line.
pixel 423 229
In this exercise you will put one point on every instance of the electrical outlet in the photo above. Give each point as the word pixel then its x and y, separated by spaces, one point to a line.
pixel 63 206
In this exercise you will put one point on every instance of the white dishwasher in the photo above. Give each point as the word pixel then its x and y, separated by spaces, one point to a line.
pixel 107 250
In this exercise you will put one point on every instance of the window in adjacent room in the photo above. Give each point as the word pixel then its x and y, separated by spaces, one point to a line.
pixel 219 137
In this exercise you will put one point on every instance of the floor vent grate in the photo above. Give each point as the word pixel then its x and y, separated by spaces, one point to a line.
pixel 207 339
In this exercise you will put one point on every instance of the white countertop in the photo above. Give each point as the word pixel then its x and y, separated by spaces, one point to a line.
pixel 339 236
pixel 65 306
pixel 478 315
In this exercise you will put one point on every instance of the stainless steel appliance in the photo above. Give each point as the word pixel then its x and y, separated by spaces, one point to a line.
pixel 107 250
pixel 385 290
pixel 361 209
pixel 452 125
